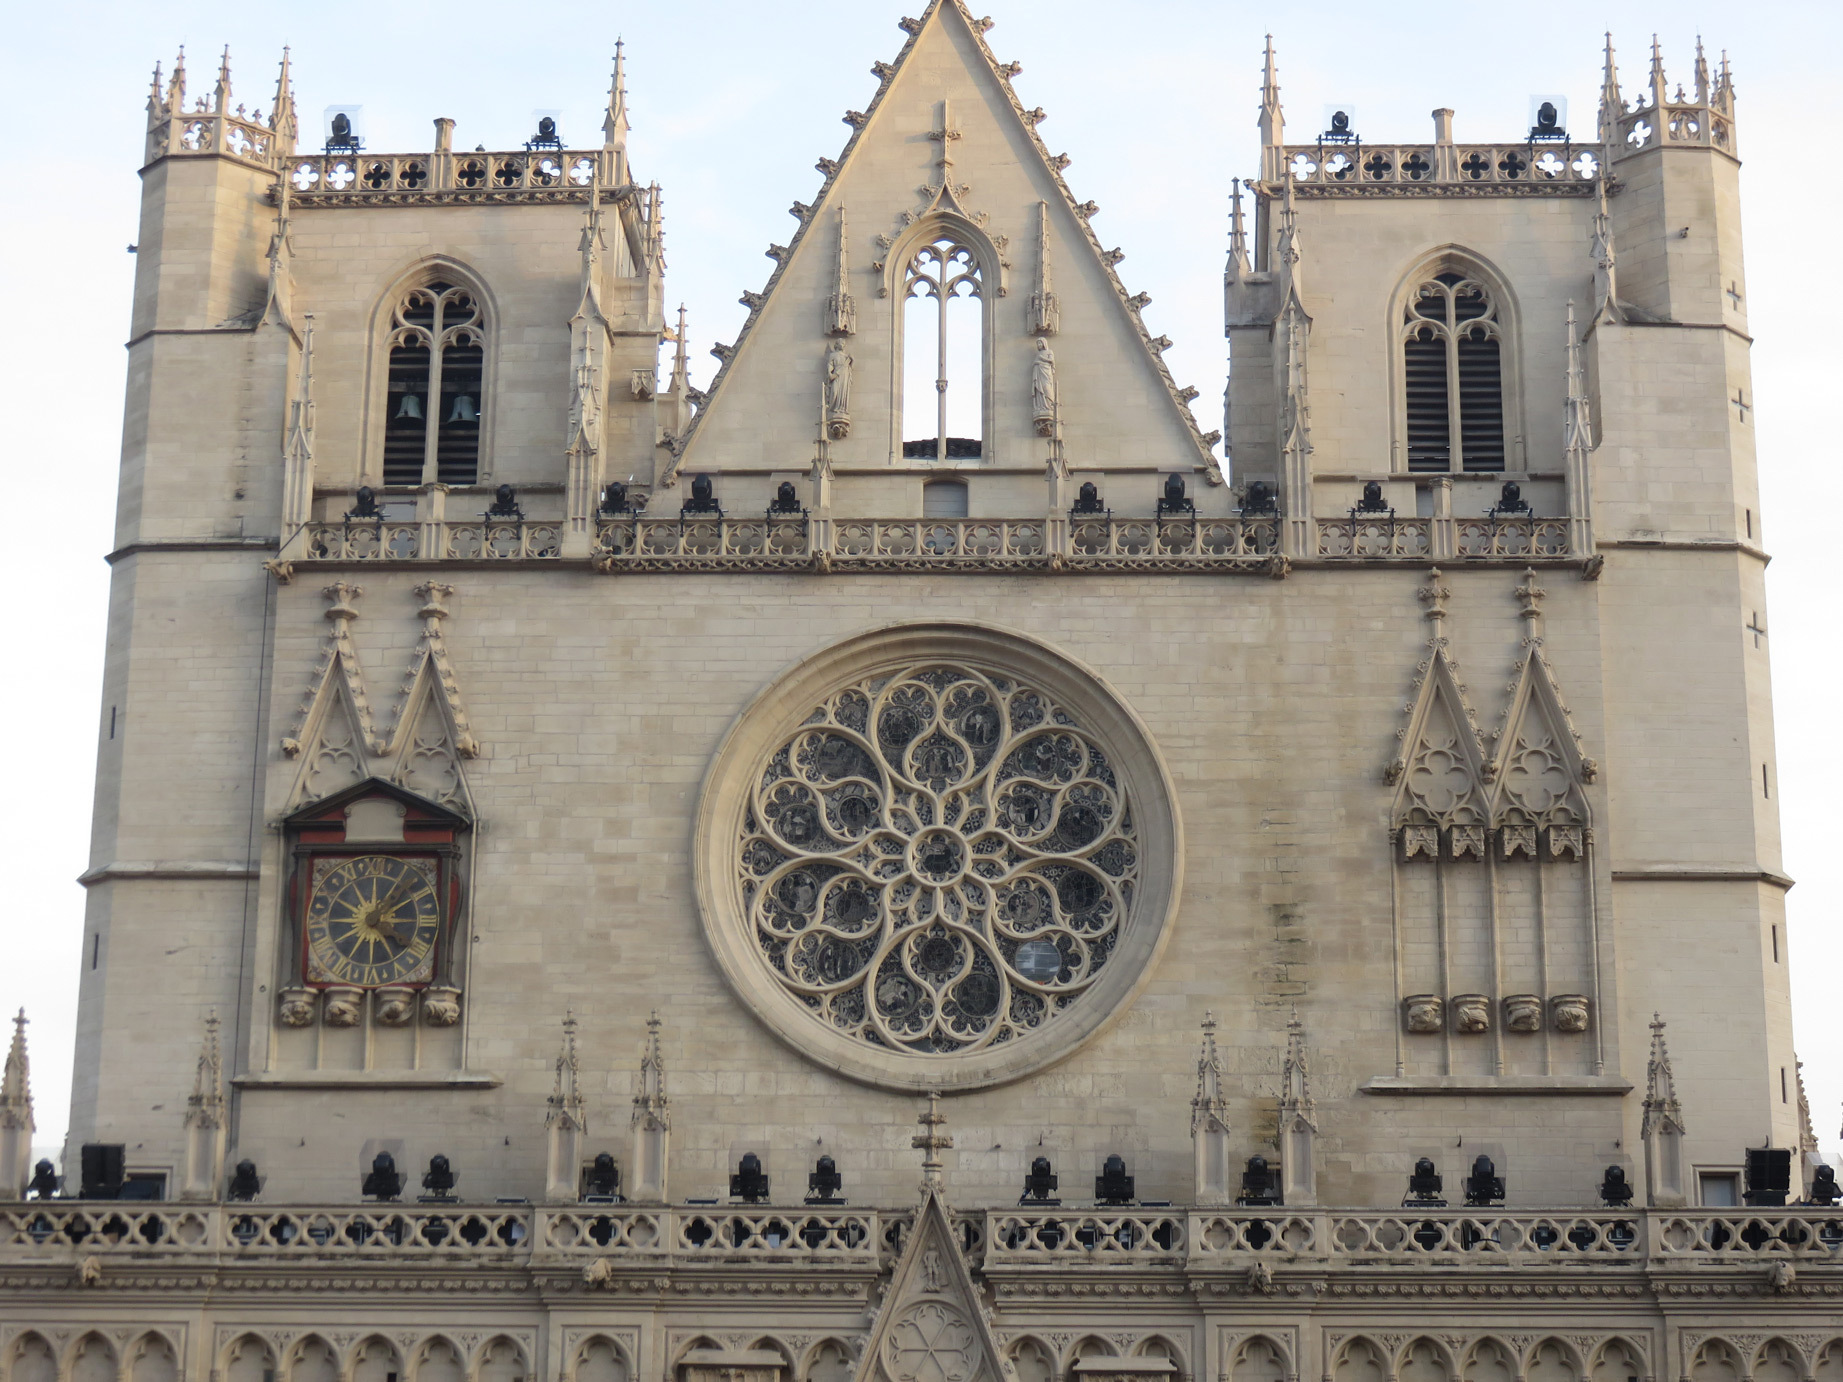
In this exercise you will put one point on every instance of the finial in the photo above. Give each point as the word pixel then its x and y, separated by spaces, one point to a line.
pixel 1529 597
pixel 1270 78
pixel 222 95
pixel 1702 74
pixel 931 1142
pixel 1660 87
pixel 281 115
pixel 1434 595
pixel 1238 239
pixel 614 123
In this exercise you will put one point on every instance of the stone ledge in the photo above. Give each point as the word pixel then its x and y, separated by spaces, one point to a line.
pixel 1496 1084
pixel 188 870
pixel 370 1079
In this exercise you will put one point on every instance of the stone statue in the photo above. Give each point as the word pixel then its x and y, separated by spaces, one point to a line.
pixel 838 390
pixel 1043 389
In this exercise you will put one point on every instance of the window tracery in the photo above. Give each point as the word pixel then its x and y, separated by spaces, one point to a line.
pixel 437 345
pixel 938 860
pixel 946 271
pixel 1452 344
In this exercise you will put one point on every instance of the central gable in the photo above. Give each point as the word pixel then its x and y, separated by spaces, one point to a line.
pixel 946 147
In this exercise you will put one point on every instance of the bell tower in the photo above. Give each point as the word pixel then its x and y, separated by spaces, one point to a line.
pixel 1677 522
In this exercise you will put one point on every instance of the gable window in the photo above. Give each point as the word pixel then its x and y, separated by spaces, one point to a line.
pixel 942 354
pixel 434 406
pixel 1453 376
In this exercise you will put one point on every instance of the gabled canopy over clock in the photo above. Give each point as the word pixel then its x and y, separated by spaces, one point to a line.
pixel 374 887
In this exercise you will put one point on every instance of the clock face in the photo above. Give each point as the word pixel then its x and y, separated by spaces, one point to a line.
pixel 372 920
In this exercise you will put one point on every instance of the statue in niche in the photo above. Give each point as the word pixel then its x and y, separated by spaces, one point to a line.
pixel 838 391
pixel 1043 389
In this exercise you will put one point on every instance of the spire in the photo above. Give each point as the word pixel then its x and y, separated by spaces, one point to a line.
pixel 681 377
pixel 298 449
pixel 614 123
pixel 1298 1122
pixel 841 311
pixel 205 1106
pixel 1662 1111
pixel 1577 428
pixel 1702 74
pixel 278 306
pixel 1296 1076
pixel 1605 262
pixel 651 1103
pixel 1724 86
pixel 931 1142
pixel 593 241
pixel 652 1122
pixel 282 116
pixel 16 1125
pixel 1045 313
pixel 176 89
pixel 205 1121
pixel 1272 121
pixel 156 99
pixel 1209 1122
pixel 566 1103
pixel 221 97
pixel 1660 87
pixel 656 229
pixel 1612 104
pixel 16 1083
pixel 1238 238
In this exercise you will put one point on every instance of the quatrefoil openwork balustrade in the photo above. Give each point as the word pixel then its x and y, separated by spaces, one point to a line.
pixel 938 856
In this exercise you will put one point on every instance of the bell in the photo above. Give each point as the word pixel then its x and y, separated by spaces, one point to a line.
pixel 463 410
pixel 410 407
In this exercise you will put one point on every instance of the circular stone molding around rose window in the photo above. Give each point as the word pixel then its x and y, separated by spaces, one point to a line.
pixel 937 856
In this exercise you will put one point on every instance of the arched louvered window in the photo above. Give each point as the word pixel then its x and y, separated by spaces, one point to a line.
pixel 943 349
pixel 437 367
pixel 1453 376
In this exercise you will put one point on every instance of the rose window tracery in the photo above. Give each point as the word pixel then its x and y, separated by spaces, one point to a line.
pixel 939 859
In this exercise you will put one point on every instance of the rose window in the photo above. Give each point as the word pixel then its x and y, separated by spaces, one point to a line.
pixel 943 858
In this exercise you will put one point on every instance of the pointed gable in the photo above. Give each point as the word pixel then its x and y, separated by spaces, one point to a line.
pixel 1539 768
pixel 1003 195
pixel 932 1326
pixel 1440 772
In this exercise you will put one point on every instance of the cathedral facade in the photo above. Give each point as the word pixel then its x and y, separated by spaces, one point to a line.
pixel 598 879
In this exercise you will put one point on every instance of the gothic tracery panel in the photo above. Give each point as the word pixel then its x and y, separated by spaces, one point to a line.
pixel 942 864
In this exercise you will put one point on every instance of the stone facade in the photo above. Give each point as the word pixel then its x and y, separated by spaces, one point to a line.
pixel 1413 758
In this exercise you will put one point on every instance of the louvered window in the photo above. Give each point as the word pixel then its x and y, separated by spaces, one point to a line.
pixel 434 409
pixel 1453 377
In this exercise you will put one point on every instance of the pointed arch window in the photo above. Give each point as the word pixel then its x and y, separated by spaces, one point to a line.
pixel 434 406
pixel 943 353
pixel 1452 343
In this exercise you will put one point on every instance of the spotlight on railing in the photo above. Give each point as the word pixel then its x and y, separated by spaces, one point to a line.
pixel 44 1185
pixel 1113 1185
pixel 1260 1183
pixel 245 1184
pixel 1088 500
pixel 1259 498
pixel 748 1184
pixel 601 1183
pixel 1824 1188
pixel 364 504
pixel 1174 501
pixel 439 1180
pixel 1424 1187
pixel 1040 1184
pixel 1484 1186
pixel 1615 1189
pixel 823 1183
pixel 505 504
pixel 703 498
pixel 786 500
pixel 385 1181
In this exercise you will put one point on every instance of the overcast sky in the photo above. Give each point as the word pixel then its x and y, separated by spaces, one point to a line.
pixel 731 104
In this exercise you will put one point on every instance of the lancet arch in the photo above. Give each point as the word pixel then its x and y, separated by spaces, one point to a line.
pixel 430 402
pixel 947 259
pixel 1454 329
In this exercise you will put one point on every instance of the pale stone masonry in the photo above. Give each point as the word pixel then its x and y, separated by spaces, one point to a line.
pixel 512 754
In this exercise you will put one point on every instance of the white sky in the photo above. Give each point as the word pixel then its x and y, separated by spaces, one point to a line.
pixel 731 105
